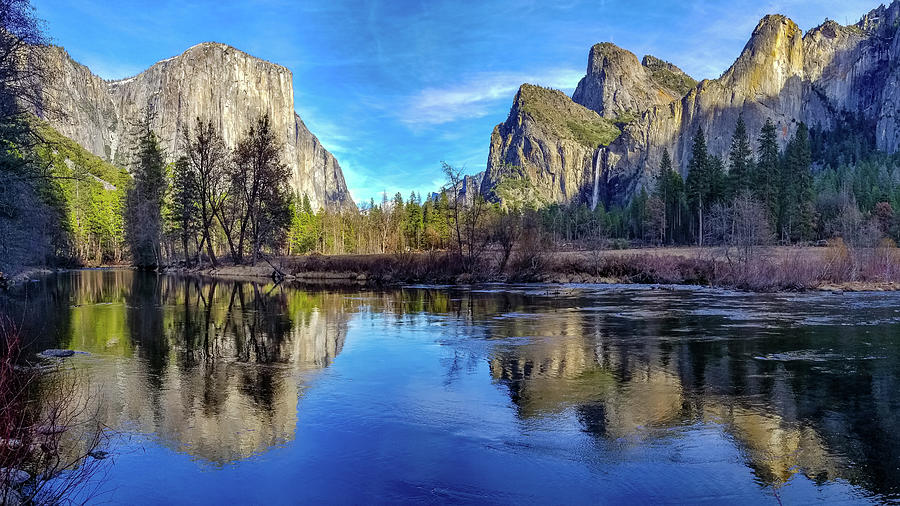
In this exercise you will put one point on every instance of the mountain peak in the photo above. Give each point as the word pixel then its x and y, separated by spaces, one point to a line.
pixel 212 81
pixel 773 55
pixel 617 84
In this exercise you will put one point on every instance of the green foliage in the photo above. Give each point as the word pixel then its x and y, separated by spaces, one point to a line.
pixel 304 228
pixel 669 189
pixel 796 192
pixel 740 161
pixel 91 193
pixel 766 176
pixel 564 118
pixel 414 222
pixel 678 82
pixel 183 210
pixel 625 118
pixel 849 142
pixel 515 189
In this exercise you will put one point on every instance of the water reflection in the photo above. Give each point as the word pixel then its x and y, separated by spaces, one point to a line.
pixel 824 408
pixel 215 369
pixel 800 385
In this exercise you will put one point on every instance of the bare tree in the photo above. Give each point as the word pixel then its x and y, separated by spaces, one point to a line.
pixel 208 158
pixel 24 72
pixel 258 182
pixel 506 232
pixel 739 226
pixel 454 181
pixel 468 215
pixel 50 431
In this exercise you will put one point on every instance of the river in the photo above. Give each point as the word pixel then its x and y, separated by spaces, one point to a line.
pixel 219 391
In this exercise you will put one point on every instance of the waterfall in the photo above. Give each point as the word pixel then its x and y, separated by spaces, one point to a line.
pixel 596 180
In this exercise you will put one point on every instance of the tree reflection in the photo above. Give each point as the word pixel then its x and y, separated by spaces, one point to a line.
pixel 220 364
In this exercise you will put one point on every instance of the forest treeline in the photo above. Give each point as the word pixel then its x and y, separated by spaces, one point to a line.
pixel 822 185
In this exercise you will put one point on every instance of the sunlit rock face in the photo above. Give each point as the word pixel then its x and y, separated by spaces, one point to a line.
pixel 819 78
pixel 211 81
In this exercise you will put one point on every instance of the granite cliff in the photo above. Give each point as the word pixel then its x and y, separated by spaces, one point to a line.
pixel 822 77
pixel 211 81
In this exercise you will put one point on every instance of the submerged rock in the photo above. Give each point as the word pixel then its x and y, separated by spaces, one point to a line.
pixel 11 443
pixel 11 496
pixel 49 430
pixel 57 353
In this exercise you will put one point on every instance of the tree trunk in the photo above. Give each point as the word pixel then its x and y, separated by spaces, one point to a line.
pixel 701 224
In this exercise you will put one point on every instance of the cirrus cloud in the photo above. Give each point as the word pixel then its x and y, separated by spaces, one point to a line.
pixel 476 96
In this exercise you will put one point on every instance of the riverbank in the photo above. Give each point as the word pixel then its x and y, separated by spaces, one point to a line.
pixel 834 268
pixel 23 276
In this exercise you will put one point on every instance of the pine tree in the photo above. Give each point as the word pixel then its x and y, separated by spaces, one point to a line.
pixel 145 200
pixel 718 181
pixel 767 169
pixel 796 194
pixel 740 160
pixel 414 221
pixel 669 189
pixel 699 184
pixel 184 216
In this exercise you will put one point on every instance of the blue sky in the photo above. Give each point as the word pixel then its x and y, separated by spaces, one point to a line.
pixel 392 88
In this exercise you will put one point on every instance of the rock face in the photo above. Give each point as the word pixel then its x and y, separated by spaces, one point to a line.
pixel 617 83
pixel 820 78
pixel 211 81
pixel 544 152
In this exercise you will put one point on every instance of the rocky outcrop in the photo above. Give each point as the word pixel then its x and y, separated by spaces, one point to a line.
pixel 618 84
pixel 544 151
pixel 211 81
pixel 819 78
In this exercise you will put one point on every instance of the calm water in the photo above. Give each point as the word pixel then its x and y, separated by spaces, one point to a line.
pixel 240 392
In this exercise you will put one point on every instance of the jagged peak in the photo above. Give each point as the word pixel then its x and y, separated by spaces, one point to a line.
pixel 607 47
pixel 651 61
pixel 603 54
pixel 776 38
pixel 831 29
pixel 528 91
pixel 555 112
pixel 668 75
pixel 880 17
pixel 772 24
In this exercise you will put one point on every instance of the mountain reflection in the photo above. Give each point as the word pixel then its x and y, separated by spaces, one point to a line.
pixel 619 371
pixel 214 369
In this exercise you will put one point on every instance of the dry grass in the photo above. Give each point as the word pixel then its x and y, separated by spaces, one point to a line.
pixel 835 267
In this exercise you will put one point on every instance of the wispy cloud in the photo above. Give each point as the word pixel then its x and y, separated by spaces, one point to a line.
pixel 474 97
